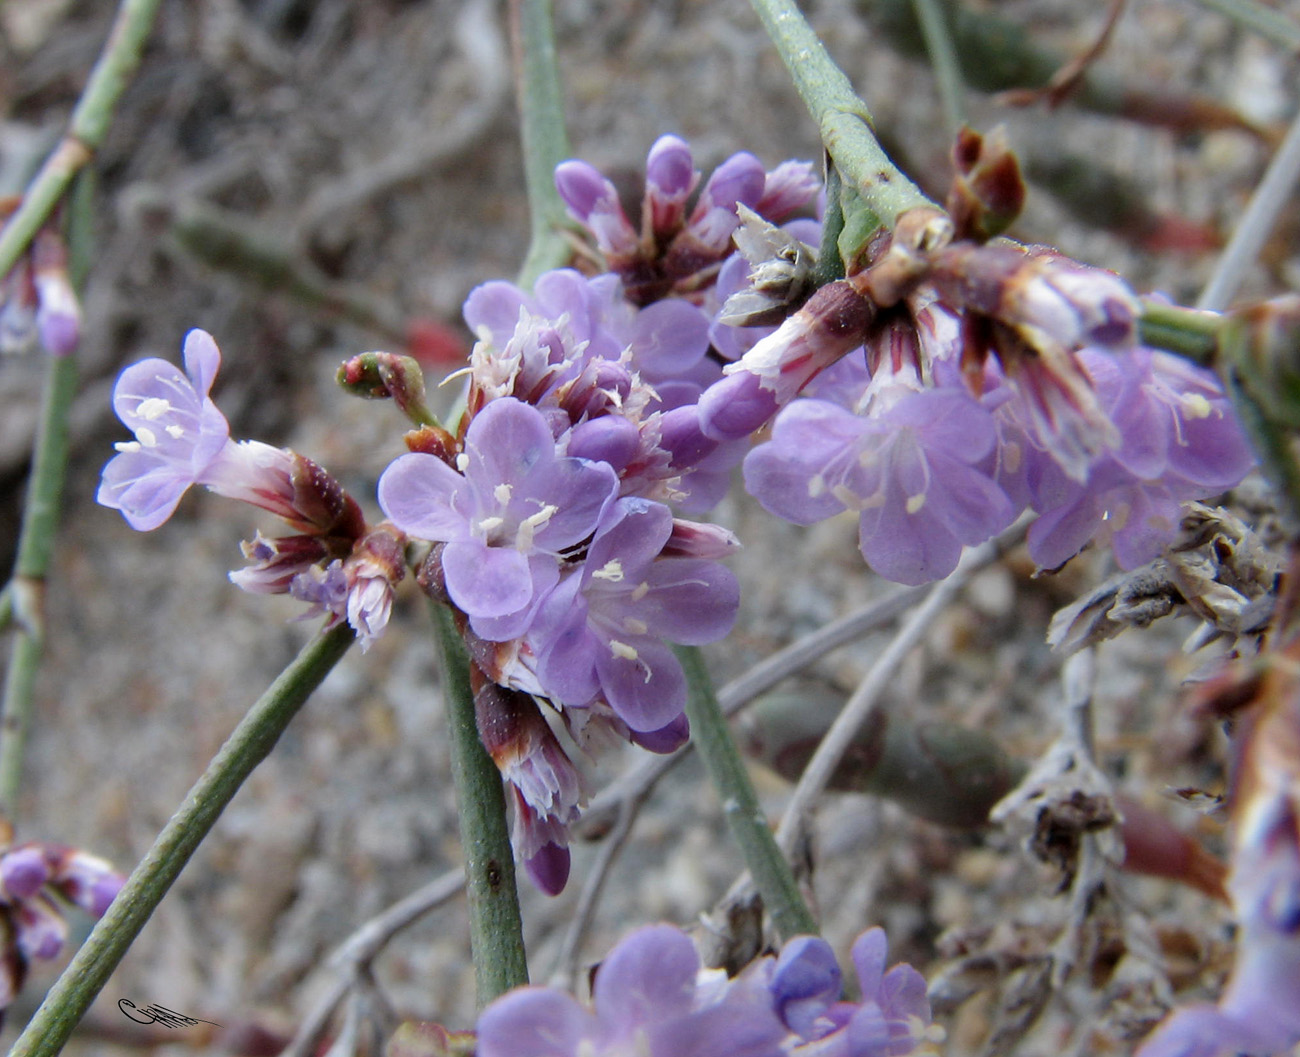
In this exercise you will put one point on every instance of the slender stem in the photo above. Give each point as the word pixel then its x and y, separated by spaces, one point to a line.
pixel 830 266
pixel 945 62
pixel 842 118
pixel 495 928
pixel 90 120
pixel 1257 223
pixel 722 759
pixel 1190 333
pixel 545 142
pixel 246 747
pixel 36 535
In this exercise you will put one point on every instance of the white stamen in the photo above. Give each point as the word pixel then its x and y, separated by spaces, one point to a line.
pixel 622 649
pixel 127 445
pixel 816 486
pixel 636 627
pixel 175 431
pixel 612 571
pixel 529 526
pixel 502 492
pixel 1196 406
pixel 915 502
pixel 153 407
pixel 488 525
pixel 462 462
pixel 147 437
pixel 640 591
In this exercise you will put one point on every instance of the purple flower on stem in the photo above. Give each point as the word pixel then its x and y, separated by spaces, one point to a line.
pixel 918 471
pixel 649 999
pixel 179 434
pixel 505 518
pixel 600 634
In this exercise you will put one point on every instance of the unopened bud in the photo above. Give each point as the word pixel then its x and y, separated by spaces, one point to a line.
pixel 387 376
pixel 1262 343
pixel 987 191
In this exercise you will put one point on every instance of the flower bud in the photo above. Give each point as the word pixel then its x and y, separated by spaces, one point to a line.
pixel 987 191
pixel 384 376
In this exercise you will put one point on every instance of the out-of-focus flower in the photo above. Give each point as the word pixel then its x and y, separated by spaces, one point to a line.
pixel 1258 1013
pixel 35 880
pixel 650 998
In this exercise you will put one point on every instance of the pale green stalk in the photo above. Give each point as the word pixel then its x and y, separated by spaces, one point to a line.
pixel 495 927
pixel 545 142
pixel 246 747
pixel 767 865
pixel 842 119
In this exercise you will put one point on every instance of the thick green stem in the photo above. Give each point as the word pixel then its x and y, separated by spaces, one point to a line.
pixel 842 118
pixel 495 928
pixel 250 743
pixel 545 142
pixel 90 120
pixel 769 868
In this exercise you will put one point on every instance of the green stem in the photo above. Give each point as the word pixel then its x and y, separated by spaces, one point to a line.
pixel 495 926
pixel 90 120
pixel 944 60
pixel 251 741
pixel 545 142
pixel 36 535
pixel 712 739
pixel 842 118
pixel 1188 332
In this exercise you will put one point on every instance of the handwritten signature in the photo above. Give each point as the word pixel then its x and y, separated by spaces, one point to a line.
pixel 155 1014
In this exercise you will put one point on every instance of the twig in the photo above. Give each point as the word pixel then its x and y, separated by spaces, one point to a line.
pixel 246 747
pixel 495 927
pixel 90 120
pixel 568 961
pixel 1270 197
pixel 865 698
pixel 1065 81
pixel 361 948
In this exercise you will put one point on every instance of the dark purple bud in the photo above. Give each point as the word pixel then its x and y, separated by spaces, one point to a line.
pixel 987 191
pixel 549 868
pixel 88 881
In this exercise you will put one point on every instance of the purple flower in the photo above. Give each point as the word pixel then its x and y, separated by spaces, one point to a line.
pixel 505 518
pixel 601 632
pixel 892 1019
pixel 650 998
pixel 917 468
pixel 179 434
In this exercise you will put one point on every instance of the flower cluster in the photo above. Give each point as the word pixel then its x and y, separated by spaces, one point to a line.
pixel 333 561
pixel 986 380
pixel 35 878
pixel 651 997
